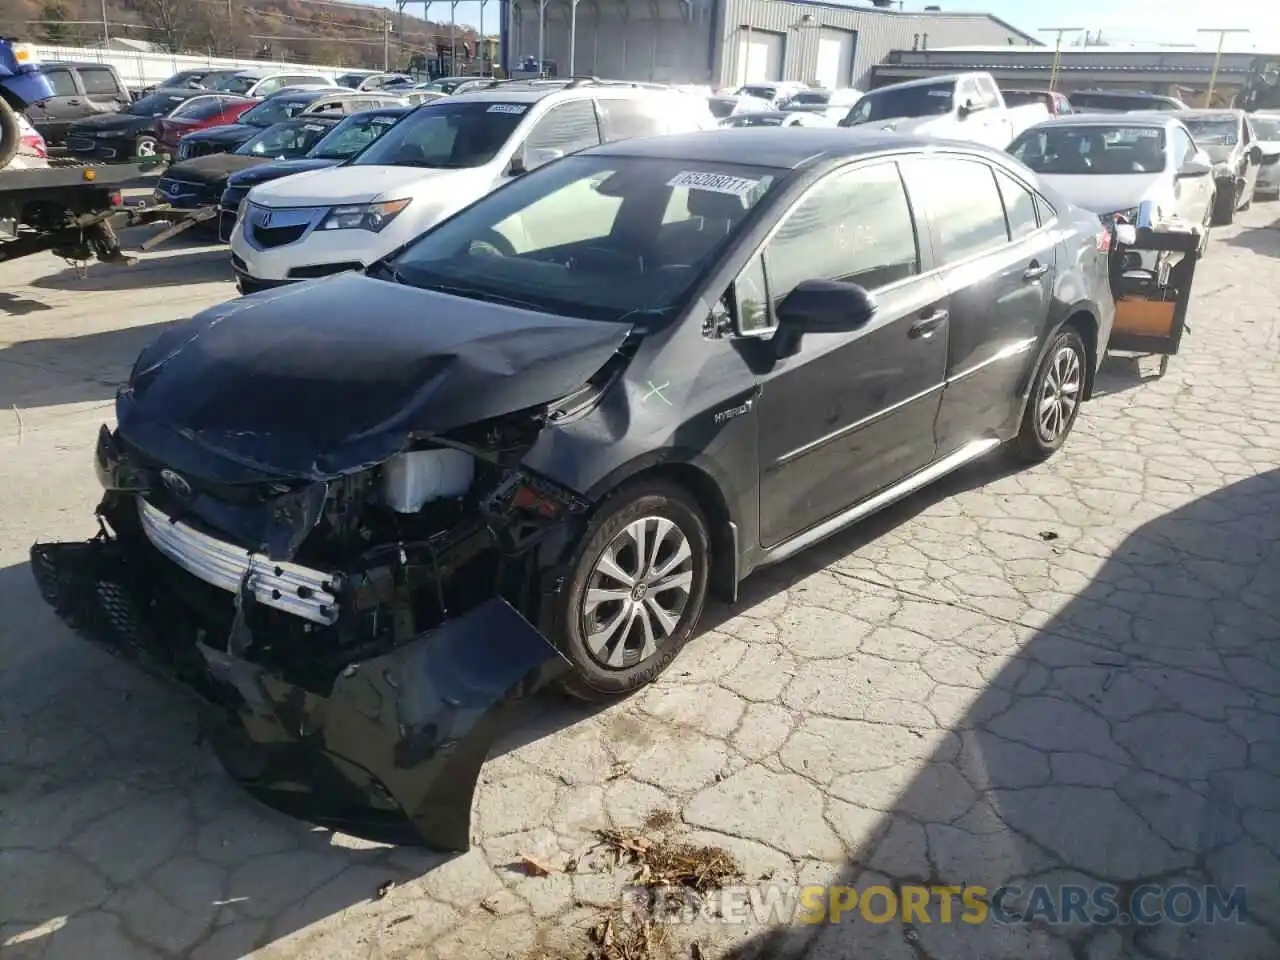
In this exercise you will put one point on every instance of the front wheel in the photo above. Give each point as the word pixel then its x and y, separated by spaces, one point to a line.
pixel 1056 394
pixel 144 147
pixel 637 591
pixel 10 134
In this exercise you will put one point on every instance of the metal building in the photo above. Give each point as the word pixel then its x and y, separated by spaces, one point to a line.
pixel 728 42
pixel 1177 72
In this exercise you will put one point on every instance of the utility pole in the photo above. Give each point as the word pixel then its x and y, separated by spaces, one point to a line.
pixel 106 36
pixel 386 44
pixel 1217 57
pixel 231 30
pixel 1057 50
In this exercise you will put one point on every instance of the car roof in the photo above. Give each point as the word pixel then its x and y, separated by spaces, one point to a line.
pixel 787 148
pixel 1140 118
pixel 1208 114
pixel 380 112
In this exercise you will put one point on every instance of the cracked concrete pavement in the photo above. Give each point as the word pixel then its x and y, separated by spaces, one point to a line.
pixel 1069 674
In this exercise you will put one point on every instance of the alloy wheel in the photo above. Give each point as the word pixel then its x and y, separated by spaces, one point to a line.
pixel 1059 395
pixel 637 592
pixel 146 148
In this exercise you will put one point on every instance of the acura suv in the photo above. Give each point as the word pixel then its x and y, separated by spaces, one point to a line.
pixel 361 514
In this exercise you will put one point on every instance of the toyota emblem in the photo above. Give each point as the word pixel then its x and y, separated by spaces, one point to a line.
pixel 176 484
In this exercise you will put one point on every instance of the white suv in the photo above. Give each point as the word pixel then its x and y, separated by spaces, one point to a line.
pixel 440 158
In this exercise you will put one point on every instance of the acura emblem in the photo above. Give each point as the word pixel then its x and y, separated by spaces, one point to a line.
pixel 176 484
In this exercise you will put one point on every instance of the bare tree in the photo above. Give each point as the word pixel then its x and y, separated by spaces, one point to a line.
pixel 177 25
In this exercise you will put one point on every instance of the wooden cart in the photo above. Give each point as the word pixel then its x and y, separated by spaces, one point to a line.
pixel 1151 306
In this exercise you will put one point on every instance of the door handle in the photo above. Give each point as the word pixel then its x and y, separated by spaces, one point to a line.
pixel 74 102
pixel 927 324
pixel 1035 271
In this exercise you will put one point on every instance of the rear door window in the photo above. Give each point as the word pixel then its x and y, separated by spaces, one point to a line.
pixel 964 204
pixel 624 119
pixel 567 127
pixel 1019 206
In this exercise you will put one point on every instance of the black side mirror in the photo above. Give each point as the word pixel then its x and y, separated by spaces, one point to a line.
pixel 825 306
pixel 1255 154
pixel 517 167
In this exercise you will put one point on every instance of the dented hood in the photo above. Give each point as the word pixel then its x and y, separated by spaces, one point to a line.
pixel 323 378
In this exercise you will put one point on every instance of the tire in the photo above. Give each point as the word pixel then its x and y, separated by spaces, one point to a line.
pixel 10 134
pixel 144 146
pixel 618 664
pixel 1059 378
pixel 1224 205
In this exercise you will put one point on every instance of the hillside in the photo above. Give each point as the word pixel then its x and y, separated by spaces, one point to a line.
pixel 319 31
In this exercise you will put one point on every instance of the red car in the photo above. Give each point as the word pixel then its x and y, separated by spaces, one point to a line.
pixel 213 110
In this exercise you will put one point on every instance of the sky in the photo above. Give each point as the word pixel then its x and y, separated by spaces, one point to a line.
pixel 1162 21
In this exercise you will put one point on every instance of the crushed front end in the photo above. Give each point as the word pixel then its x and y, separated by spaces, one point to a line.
pixel 357 641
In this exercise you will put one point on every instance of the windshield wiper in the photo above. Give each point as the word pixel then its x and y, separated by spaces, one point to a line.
pixel 475 293
pixel 387 270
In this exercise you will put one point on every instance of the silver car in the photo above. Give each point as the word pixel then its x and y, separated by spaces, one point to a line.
pixel 1233 146
pixel 1267 127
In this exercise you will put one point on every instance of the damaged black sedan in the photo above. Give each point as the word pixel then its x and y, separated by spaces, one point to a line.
pixel 364 515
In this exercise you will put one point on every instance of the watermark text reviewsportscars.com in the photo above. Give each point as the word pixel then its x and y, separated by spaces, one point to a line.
pixel 1097 905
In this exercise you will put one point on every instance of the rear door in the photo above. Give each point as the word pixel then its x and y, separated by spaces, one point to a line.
pixel 998 264
pixel 847 414
pixel 52 117
pixel 103 91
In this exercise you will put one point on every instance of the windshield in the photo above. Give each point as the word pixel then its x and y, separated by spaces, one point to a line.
pixel 236 83
pixel 351 136
pixel 352 80
pixel 599 237
pixel 721 107
pixel 1026 98
pixel 812 97
pixel 155 105
pixel 1218 131
pixel 285 141
pixel 1267 128
pixel 273 111
pixel 447 134
pixel 1092 150
pixel 764 93
pixel 929 100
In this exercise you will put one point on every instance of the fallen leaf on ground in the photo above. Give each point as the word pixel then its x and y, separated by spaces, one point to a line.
pixel 536 867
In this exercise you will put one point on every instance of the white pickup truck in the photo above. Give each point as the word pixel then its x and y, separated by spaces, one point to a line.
pixel 959 106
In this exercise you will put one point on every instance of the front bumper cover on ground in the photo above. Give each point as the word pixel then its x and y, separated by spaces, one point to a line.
pixel 392 752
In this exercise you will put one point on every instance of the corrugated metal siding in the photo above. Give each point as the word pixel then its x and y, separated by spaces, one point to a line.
pixel 879 31
pixel 1070 59
pixel 662 40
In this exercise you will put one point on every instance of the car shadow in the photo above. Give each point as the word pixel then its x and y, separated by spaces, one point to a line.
pixel 60 370
pixel 1132 740
pixel 1122 372
pixel 189 264
pixel 19 306
pixel 1263 240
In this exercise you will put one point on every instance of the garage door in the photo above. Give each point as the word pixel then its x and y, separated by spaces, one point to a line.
pixel 835 59
pixel 760 56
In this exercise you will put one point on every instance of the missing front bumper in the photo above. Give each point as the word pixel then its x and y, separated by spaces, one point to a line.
pixel 391 752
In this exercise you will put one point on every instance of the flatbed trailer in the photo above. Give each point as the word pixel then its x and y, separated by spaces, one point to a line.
pixel 74 212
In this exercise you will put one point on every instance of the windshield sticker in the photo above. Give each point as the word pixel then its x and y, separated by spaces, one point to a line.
pixel 714 183
pixel 940 93
pixel 508 108
pixel 314 127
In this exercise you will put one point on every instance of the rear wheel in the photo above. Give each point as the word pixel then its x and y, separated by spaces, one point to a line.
pixel 1056 394
pixel 638 588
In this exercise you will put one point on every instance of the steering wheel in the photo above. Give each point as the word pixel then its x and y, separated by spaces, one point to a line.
pixel 490 244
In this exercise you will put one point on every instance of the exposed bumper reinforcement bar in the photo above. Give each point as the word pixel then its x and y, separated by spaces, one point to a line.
pixel 310 594
pixel 391 752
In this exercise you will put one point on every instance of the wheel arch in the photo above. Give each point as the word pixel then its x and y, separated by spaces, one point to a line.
pixel 713 495
pixel 1081 319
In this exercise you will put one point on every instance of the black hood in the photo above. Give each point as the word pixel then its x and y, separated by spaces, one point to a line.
pixel 323 378
pixel 213 169
pixel 231 135
pixel 114 121
pixel 243 179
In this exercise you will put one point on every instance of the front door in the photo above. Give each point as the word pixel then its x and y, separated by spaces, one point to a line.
pixel 52 117
pixel 102 90
pixel 998 273
pixel 847 414
pixel 1192 195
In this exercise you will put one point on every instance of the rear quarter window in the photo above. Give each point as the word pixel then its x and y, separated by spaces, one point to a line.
pixel 624 119
pixel 64 85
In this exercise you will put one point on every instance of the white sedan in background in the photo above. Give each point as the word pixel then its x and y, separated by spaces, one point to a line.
pixel 1111 164
pixel 1267 126
pixel 779 118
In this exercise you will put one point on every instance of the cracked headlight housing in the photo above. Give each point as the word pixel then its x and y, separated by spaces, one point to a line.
pixel 363 216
